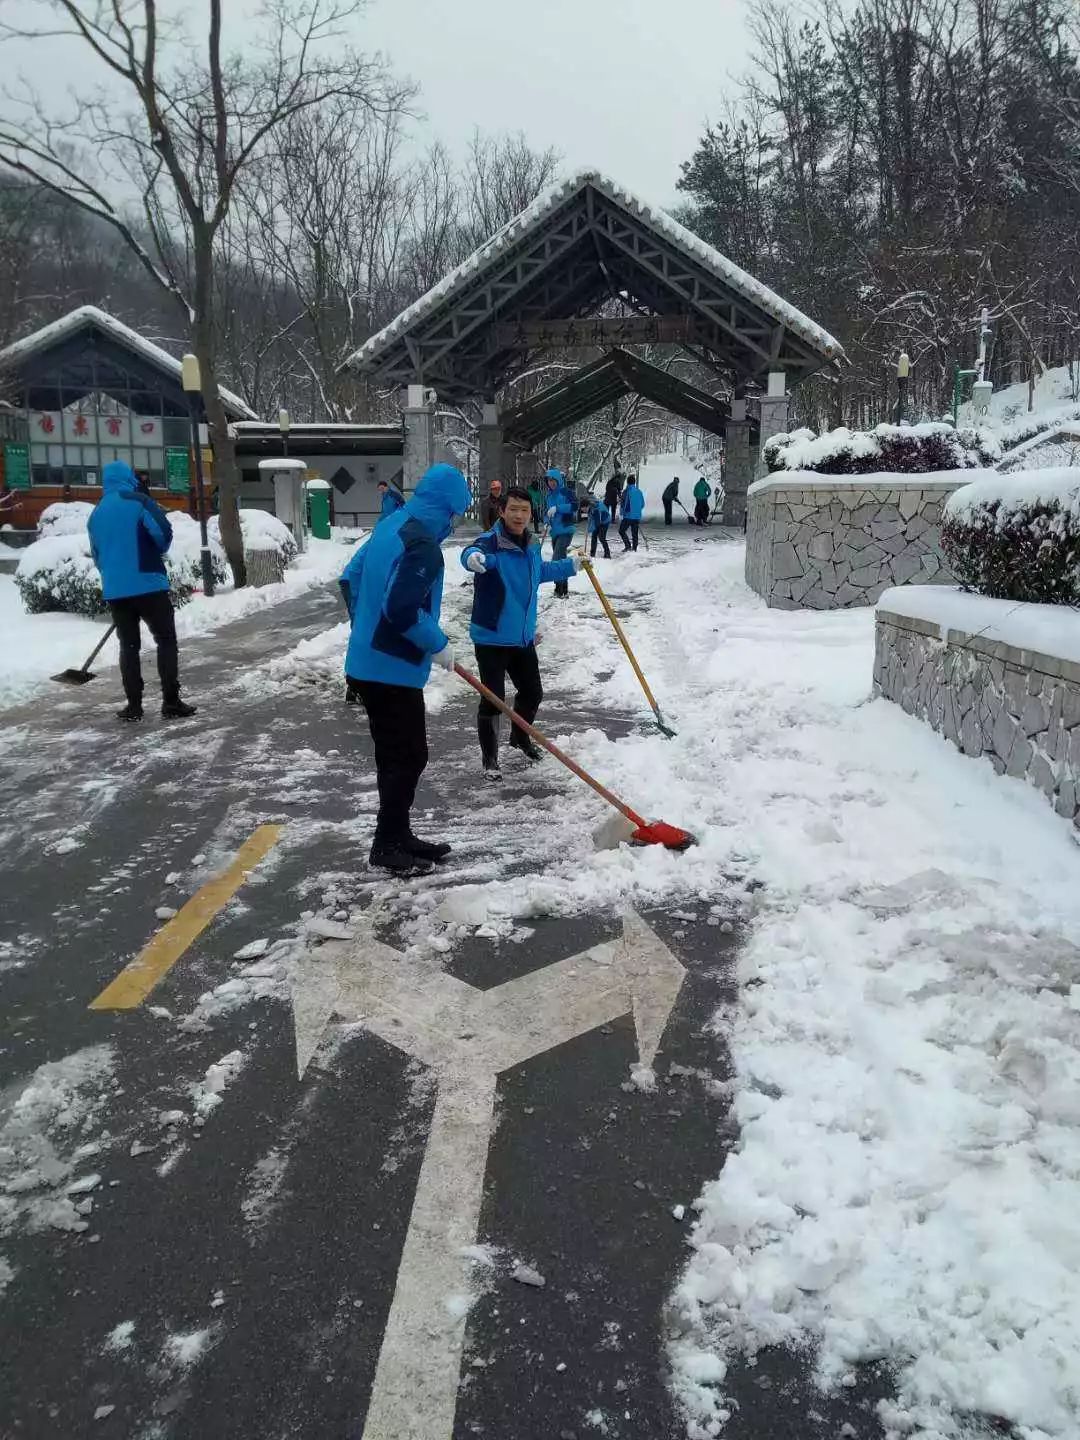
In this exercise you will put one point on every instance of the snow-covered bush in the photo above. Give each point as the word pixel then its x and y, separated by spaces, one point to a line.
pixel 1017 537
pixel 901 449
pixel 65 517
pixel 262 531
pixel 184 559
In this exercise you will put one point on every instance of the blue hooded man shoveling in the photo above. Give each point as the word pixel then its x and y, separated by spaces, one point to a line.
pixel 393 591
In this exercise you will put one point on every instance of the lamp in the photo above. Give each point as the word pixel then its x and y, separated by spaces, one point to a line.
pixel 191 381
pixel 903 371
pixel 284 425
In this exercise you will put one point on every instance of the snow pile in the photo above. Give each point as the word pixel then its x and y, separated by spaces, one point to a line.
pixel 65 517
pixel 207 1093
pixel 43 1140
pixel 184 558
pixel 1017 536
pixel 261 531
pixel 907 449
pixel 58 573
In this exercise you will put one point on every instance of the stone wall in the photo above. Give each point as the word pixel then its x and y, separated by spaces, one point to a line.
pixel 826 542
pixel 1018 708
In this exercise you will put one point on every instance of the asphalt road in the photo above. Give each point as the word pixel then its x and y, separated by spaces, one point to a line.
pixel 234 1277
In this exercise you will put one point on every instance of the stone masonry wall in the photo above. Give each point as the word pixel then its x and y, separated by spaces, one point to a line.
pixel 1019 709
pixel 826 547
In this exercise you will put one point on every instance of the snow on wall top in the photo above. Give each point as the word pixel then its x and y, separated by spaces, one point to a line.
pixel 90 314
pixel 793 480
pixel 1017 490
pixel 689 243
pixel 1052 630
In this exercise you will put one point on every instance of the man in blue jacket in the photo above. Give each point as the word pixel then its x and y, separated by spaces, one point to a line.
pixel 561 518
pixel 599 520
pixel 633 507
pixel 509 571
pixel 390 500
pixel 129 537
pixel 393 590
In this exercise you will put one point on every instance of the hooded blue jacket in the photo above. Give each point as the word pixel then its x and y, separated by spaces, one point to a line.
pixel 129 535
pixel 563 503
pixel 393 584
pixel 633 502
pixel 504 596
pixel 392 502
pixel 599 516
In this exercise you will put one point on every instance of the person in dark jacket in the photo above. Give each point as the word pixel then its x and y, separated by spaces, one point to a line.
pixel 599 520
pixel 390 500
pixel 130 536
pixel 491 507
pixel 702 491
pixel 536 496
pixel 613 493
pixel 393 590
pixel 633 507
pixel 670 495
pixel 561 519
pixel 509 571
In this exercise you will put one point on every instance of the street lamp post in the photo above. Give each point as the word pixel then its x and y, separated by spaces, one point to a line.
pixel 192 383
pixel 284 424
pixel 903 371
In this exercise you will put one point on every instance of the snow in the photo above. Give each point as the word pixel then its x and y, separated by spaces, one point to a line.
pixel 875 480
pixel 261 531
pixel 89 315
pixel 182 1351
pixel 691 245
pixel 120 1336
pixel 1017 490
pixel 207 1093
pixel 1052 630
pixel 65 517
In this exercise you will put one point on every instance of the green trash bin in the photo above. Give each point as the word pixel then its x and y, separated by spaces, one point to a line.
pixel 318 492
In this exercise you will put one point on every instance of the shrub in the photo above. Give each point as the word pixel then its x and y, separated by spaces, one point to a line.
pixel 262 531
pixel 65 517
pixel 1017 537
pixel 900 449
pixel 185 554
pixel 58 572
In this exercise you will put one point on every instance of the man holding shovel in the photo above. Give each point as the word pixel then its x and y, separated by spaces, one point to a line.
pixel 509 570
pixel 670 497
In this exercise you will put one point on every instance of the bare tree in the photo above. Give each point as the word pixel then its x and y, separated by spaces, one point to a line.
pixel 186 124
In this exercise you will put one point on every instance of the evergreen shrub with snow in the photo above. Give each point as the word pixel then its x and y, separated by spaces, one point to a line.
pixel 65 517
pixel 1017 537
pixel 901 449
pixel 262 531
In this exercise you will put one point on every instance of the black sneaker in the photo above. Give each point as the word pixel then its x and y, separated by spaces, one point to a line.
pixel 531 752
pixel 435 850
pixel 130 712
pixel 177 710
pixel 398 860
pixel 491 770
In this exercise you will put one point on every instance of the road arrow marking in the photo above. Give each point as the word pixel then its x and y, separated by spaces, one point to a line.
pixel 467 1037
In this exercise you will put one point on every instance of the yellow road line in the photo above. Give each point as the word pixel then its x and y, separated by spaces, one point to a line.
pixel 135 981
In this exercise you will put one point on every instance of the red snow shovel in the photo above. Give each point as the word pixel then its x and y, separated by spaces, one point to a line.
pixel 645 832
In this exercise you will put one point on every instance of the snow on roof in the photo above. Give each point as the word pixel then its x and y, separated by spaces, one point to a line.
pixel 690 244
pixel 87 315
pixel 300 426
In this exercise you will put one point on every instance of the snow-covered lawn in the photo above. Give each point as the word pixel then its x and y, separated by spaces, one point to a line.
pixel 33 647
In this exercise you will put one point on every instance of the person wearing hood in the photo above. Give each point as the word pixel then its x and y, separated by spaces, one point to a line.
pixel 390 500
pixel 599 520
pixel 536 496
pixel 491 507
pixel 509 570
pixel 130 536
pixel 668 498
pixel 561 518
pixel 633 507
pixel 702 491
pixel 393 591
pixel 613 493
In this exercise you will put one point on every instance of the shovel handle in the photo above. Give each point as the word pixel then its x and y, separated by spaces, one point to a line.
pixel 542 740
pixel 610 613
pixel 98 647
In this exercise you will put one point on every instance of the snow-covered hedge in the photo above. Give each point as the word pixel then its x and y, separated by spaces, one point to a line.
pixel 65 517
pixel 899 449
pixel 184 560
pixel 1017 537
pixel 261 531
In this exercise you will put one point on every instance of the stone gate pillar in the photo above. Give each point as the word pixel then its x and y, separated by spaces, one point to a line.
pixel 774 414
pixel 418 414
pixel 738 465
pixel 492 450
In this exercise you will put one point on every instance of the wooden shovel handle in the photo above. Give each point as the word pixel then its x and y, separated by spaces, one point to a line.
pixel 610 613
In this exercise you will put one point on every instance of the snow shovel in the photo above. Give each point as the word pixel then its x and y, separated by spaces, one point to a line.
pixel 640 831
pixel 84 675
pixel 610 613
pixel 682 507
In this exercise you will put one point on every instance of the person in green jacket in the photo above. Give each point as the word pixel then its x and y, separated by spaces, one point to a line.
pixel 702 491
pixel 536 497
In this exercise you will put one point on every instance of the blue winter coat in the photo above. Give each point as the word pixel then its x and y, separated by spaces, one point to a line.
pixel 392 502
pixel 504 597
pixel 633 502
pixel 599 516
pixel 129 535
pixel 393 584
pixel 563 503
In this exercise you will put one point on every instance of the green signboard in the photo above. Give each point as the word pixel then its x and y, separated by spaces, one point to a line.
pixel 177 471
pixel 17 466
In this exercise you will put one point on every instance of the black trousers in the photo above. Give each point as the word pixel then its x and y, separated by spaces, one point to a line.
pixel 520 662
pixel 701 512
pixel 667 511
pixel 632 526
pixel 157 611
pixel 398 725
pixel 600 534
pixel 560 545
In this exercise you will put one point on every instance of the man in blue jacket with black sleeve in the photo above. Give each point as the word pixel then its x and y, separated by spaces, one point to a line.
pixel 509 571
pixel 129 537
pixel 393 590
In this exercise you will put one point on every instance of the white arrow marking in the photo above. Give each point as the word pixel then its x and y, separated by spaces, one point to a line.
pixel 468 1037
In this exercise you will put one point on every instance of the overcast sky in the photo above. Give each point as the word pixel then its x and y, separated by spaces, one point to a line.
pixel 622 85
